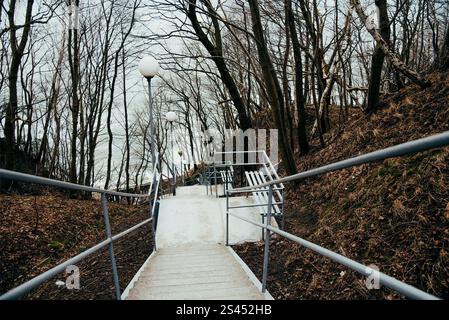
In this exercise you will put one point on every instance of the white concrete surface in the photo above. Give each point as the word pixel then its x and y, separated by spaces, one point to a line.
pixel 189 217
pixel 194 217
pixel 200 272
pixel 192 261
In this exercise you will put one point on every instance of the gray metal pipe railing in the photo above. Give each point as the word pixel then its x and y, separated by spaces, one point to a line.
pixel 432 142
pixel 38 280
pixel 26 287
pixel 390 282
pixel 24 177
pixel 256 205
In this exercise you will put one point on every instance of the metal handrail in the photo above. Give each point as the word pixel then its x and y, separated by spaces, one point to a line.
pixel 432 142
pixel 264 164
pixel 26 287
pixel 390 282
pixel 24 177
pixel 157 176
pixel 254 179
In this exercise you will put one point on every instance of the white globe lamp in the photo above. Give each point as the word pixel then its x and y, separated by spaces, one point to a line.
pixel 148 67
pixel 171 116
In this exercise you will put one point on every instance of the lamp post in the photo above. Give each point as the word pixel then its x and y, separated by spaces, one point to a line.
pixel 149 67
pixel 171 117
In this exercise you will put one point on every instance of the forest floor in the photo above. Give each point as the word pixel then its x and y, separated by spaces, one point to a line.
pixel 393 214
pixel 38 232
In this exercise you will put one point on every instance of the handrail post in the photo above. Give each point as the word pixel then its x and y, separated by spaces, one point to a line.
pixel 282 210
pixel 226 180
pixel 267 241
pixel 227 218
pixel 153 222
pixel 215 179
pixel 111 246
pixel 175 179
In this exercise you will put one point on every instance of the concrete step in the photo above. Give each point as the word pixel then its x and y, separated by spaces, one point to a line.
pixel 236 293
pixel 194 272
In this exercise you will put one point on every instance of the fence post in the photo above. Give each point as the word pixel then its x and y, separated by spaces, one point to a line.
pixel 111 246
pixel 267 241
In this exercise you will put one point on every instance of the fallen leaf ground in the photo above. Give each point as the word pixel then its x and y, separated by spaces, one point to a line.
pixel 38 232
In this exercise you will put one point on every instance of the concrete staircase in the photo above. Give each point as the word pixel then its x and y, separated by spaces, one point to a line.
pixel 192 261
pixel 201 272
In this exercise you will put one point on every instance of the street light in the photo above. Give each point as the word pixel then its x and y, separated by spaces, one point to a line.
pixel 171 117
pixel 149 67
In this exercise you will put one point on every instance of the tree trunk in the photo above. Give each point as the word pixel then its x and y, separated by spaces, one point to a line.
pixel 444 53
pixel 300 99
pixel 217 56
pixel 54 95
pixel 273 87
pixel 378 58
pixel 17 48
pixel 395 60
pixel 74 62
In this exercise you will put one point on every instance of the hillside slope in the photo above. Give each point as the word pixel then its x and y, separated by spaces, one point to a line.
pixel 393 214
pixel 37 232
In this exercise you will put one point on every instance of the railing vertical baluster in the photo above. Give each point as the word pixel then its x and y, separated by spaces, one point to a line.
pixel 111 246
pixel 267 241
pixel 263 231
pixel 175 180
pixel 282 211
pixel 227 218
pixel 226 180
pixel 209 178
pixel 216 182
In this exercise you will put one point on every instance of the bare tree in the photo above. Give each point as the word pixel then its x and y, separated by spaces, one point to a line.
pixel 273 87
pixel 216 52
pixel 17 46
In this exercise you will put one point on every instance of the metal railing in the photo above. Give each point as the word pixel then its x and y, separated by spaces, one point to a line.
pixel 211 176
pixel 432 142
pixel 153 196
pixel 264 173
